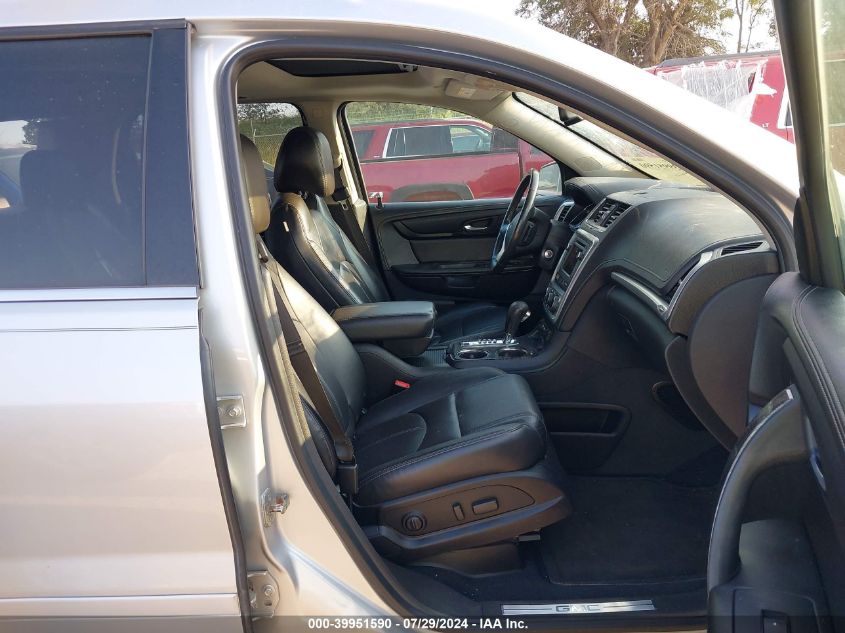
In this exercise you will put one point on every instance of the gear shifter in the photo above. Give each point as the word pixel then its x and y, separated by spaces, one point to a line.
pixel 517 313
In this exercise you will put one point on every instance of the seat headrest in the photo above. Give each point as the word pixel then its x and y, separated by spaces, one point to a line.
pixel 43 176
pixel 256 185
pixel 304 163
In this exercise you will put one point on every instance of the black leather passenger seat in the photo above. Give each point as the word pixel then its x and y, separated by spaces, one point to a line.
pixel 448 426
pixel 458 459
pixel 307 241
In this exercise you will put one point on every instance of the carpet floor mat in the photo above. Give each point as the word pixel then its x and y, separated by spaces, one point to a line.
pixel 630 531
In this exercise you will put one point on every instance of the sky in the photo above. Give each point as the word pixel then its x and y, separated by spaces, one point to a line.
pixel 760 38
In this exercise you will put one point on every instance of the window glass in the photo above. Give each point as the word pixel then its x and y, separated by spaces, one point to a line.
pixel 832 22
pixel 361 139
pixel 71 156
pixel 267 124
pixel 642 159
pixel 835 72
pixel 469 138
pixel 414 153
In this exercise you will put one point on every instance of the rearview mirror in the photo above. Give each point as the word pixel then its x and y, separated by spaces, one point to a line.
pixel 566 117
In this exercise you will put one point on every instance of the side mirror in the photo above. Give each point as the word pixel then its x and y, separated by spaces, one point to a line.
pixel 551 182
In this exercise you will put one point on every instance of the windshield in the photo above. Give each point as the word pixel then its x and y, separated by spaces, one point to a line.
pixel 641 159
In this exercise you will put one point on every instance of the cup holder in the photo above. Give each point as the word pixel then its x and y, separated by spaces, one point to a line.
pixel 512 352
pixel 471 354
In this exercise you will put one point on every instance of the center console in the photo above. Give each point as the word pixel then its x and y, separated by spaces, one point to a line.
pixel 503 347
pixel 516 353
pixel 576 253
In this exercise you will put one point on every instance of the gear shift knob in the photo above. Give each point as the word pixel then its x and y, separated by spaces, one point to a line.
pixel 517 313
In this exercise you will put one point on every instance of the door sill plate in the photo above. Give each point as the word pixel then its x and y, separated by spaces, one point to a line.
pixel 577 608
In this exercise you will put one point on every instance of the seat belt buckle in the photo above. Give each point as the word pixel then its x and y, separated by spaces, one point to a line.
pixel 400 385
pixel 347 477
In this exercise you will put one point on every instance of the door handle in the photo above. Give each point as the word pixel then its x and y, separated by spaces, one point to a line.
pixel 471 228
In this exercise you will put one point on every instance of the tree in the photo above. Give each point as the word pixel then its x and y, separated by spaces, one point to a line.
pixel 610 19
pixel 643 32
pixel 600 23
pixel 749 13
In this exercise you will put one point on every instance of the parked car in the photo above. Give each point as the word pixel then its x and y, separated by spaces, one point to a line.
pixel 451 159
pixel 614 407
pixel 752 85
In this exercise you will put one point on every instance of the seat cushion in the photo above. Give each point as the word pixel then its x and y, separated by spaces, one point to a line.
pixel 469 319
pixel 448 427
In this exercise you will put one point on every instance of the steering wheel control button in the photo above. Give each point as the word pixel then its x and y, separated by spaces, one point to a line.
pixel 458 510
pixel 414 522
pixel 485 506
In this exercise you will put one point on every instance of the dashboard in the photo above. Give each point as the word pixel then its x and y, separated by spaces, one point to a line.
pixel 682 272
pixel 653 242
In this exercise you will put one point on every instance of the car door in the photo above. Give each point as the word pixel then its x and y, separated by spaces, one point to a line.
pixel 438 183
pixel 112 511
pixel 776 554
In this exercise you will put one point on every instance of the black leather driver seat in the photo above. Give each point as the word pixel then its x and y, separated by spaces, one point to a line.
pixel 309 244
pixel 462 452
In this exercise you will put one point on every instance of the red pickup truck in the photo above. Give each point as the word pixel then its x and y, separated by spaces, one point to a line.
pixel 442 159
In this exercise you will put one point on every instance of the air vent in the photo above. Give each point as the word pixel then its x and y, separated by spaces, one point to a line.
pixel 608 212
pixel 614 214
pixel 740 248
pixel 601 210
pixel 564 209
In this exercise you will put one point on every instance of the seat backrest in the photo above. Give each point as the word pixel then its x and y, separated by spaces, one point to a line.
pixel 336 360
pixel 92 235
pixel 304 237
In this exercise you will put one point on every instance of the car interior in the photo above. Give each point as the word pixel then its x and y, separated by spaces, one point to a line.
pixel 526 401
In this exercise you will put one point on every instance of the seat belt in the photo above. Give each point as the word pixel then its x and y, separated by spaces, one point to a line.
pixel 347 468
pixel 347 221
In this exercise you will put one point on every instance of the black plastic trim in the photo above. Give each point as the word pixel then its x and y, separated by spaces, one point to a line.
pixel 776 437
pixel 170 252
pixel 93 29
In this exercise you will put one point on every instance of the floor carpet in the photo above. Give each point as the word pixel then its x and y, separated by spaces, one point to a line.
pixel 630 531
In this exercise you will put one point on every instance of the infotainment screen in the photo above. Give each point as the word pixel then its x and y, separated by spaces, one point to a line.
pixel 571 261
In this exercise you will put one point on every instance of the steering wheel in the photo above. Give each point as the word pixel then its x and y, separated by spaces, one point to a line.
pixel 515 221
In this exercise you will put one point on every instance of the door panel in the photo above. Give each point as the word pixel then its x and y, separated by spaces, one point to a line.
pixel 768 538
pixel 777 550
pixel 442 250
pixel 110 490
